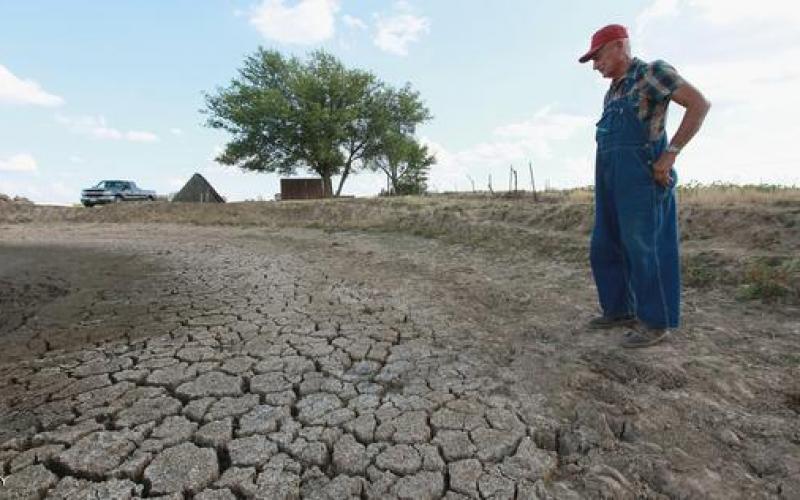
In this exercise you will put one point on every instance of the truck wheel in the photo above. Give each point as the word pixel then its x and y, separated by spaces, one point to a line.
pixel 150 198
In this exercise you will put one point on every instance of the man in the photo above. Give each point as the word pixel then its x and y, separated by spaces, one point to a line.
pixel 634 248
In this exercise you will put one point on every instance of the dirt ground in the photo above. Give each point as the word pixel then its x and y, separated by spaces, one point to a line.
pixel 389 350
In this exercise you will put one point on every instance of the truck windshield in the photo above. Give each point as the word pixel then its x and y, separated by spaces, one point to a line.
pixel 110 185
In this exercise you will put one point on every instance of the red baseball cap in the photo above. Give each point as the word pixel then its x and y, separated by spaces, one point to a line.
pixel 603 36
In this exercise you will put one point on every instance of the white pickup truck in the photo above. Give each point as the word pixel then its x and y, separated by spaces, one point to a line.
pixel 114 192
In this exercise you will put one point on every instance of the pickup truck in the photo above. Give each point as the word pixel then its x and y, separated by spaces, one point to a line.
pixel 114 192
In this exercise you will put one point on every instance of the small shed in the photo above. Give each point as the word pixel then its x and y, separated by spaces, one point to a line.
pixel 198 190
pixel 301 189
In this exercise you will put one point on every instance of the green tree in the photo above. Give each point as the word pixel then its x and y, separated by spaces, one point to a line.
pixel 396 152
pixel 285 114
pixel 406 164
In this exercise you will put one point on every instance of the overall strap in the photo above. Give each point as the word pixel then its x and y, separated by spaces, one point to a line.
pixel 624 93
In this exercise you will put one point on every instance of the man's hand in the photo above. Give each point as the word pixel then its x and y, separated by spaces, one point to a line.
pixel 662 167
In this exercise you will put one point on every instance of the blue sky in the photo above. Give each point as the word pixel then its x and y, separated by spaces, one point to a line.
pixel 92 90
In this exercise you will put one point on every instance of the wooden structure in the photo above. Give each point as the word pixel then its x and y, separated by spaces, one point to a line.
pixel 198 190
pixel 302 189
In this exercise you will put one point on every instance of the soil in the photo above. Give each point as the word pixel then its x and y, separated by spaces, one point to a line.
pixel 493 315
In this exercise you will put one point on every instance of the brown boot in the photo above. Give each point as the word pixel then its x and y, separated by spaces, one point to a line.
pixel 644 337
pixel 604 322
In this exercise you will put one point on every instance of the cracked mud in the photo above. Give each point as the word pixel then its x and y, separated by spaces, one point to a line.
pixel 227 363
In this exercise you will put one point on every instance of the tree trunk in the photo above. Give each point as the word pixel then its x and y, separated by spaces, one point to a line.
pixel 345 173
pixel 393 177
pixel 327 187
pixel 354 153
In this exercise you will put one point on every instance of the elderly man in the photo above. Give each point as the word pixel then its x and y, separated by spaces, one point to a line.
pixel 634 248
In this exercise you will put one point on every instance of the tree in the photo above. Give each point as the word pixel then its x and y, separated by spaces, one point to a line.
pixel 396 151
pixel 405 163
pixel 286 114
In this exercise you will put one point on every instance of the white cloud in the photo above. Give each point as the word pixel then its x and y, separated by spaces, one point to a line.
pixel 656 10
pixel 354 22
pixel 95 126
pixel 718 29
pixel 721 12
pixel 544 129
pixel 307 22
pixel 141 136
pixel 17 91
pixel 76 159
pixel 738 55
pixel 546 140
pixel 176 131
pixel 106 133
pixel 396 32
pixel 21 162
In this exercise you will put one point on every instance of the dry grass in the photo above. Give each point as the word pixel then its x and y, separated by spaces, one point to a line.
pixel 732 194
pixel 715 194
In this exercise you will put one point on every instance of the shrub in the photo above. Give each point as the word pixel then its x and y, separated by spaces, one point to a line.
pixel 772 280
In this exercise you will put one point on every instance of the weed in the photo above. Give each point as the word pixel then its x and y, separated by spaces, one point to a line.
pixel 772 280
pixel 698 271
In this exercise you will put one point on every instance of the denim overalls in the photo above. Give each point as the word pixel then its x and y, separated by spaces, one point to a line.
pixel 634 248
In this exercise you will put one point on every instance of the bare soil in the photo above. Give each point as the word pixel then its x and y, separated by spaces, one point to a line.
pixel 496 289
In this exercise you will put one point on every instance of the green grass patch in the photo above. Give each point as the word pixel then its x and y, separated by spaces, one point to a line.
pixel 772 280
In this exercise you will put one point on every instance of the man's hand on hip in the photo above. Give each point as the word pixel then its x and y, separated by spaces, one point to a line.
pixel 662 167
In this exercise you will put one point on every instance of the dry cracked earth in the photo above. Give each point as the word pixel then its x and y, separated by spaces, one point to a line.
pixel 171 361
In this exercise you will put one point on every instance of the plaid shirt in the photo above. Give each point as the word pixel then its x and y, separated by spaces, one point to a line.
pixel 653 85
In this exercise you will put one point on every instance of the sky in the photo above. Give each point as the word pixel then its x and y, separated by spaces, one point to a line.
pixel 95 90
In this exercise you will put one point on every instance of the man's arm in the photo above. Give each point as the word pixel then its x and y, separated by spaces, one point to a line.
pixel 696 110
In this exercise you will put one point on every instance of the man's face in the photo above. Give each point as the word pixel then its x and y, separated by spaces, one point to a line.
pixel 608 59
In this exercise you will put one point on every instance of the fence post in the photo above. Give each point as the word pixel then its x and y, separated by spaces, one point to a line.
pixel 515 180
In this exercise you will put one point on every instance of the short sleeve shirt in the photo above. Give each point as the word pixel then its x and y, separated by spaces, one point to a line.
pixel 650 92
